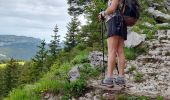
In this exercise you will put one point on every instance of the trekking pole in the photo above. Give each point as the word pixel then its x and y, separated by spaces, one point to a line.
pixel 102 33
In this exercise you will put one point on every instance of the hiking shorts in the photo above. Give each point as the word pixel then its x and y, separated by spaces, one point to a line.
pixel 113 30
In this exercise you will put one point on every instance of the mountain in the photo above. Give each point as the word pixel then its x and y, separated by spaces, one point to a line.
pixel 18 47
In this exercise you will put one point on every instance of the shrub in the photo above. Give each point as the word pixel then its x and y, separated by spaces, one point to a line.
pixel 80 59
pixel 138 77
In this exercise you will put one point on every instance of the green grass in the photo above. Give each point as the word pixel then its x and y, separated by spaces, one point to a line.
pixel 56 81
pixel 131 69
pixel 20 63
pixel 132 53
pixel 138 77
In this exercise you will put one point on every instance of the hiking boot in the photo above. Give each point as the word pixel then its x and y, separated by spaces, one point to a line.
pixel 108 82
pixel 120 81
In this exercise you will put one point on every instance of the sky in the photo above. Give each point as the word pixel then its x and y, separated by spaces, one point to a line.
pixel 33 18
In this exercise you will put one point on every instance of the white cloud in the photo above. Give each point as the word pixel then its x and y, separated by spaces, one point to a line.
pixel 35 18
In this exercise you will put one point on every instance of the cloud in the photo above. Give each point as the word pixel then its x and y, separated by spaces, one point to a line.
pixel 35 18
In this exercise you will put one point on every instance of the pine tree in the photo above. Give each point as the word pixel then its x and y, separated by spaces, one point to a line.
pixel 77 7
pixel 71 34
pixel 10 76
pixel 39 60
pixel 54 47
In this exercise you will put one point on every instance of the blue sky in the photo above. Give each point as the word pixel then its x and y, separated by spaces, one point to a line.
pixel 34 18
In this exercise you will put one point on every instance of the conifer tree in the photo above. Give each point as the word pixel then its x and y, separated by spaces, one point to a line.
pixel 71 34
pixel 39 60
pixel 10 76
pixel 54 47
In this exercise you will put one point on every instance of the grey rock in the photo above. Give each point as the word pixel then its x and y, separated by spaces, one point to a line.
pixel 96 97
pixel 167 4
pixel 134 39
pixel 96 58
pixel 74 73
pixel 163 24
pixel 148 25
pixel 158 15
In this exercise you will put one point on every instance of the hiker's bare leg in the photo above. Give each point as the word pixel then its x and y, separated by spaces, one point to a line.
pixel 121 56
pixel 112 43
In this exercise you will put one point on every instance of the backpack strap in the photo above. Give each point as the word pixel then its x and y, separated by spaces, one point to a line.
pixel 123 7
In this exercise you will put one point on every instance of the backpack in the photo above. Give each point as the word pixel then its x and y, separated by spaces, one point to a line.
pixel 130 11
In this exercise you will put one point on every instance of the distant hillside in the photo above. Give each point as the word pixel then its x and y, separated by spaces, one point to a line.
pixel 18 47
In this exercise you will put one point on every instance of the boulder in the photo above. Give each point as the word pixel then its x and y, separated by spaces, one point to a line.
pixel 134 39
pixel 74 73
pixel 158 15
pixel 96 58
pixel 167 4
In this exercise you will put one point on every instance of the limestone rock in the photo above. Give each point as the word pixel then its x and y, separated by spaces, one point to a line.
pixel 74 73
pixel 167 4
pixel 134 39
pixel 158 15
pixel 96 58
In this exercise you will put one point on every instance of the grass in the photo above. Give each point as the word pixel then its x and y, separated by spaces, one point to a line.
pixel 132 53
pixel 131 69
pixel 20 63
pixel 56 81
pixel 2 65
pixel 138 77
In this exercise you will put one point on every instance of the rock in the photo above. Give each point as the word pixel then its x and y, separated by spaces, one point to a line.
pixel 167 93
pixel 96 97
pixel 134 39
pixel 74 73
pixel 158 15
pixel 167 4
pixel 163 24
pixel 96 58
pixel 89 96
pixel 148 25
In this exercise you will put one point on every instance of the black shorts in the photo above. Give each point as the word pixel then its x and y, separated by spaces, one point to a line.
pixel 112 29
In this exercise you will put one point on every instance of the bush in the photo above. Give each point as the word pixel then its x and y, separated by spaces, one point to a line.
pixel 80 59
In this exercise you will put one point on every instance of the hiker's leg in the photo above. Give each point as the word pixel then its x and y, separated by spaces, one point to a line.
pixel 112 43
pixel 121 56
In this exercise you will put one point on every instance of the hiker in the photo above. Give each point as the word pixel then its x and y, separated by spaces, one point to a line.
pixel 116 35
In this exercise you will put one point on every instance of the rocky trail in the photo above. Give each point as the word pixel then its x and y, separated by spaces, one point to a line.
pixel 154 68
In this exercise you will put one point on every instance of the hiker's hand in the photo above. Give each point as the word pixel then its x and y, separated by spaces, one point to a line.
pixel 101 16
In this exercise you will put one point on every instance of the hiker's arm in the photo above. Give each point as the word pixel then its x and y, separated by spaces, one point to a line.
pixel 112 8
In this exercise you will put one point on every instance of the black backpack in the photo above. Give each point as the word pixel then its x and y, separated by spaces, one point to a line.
pixel 130 11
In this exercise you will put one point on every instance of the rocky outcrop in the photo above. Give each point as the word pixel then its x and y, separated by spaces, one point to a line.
pixel 96 58
pixel 134 39
pixel 154 66
pixel 158 15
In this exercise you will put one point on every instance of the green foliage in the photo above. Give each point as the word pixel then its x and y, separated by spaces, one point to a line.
pixel 71 35
pixel 39 67
pixel 138 77
pixel 160 98
pixel 54 44
pixel 81 46
pixel 79 59
pixel 131 69
pixel 87 71
pixel 132 53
